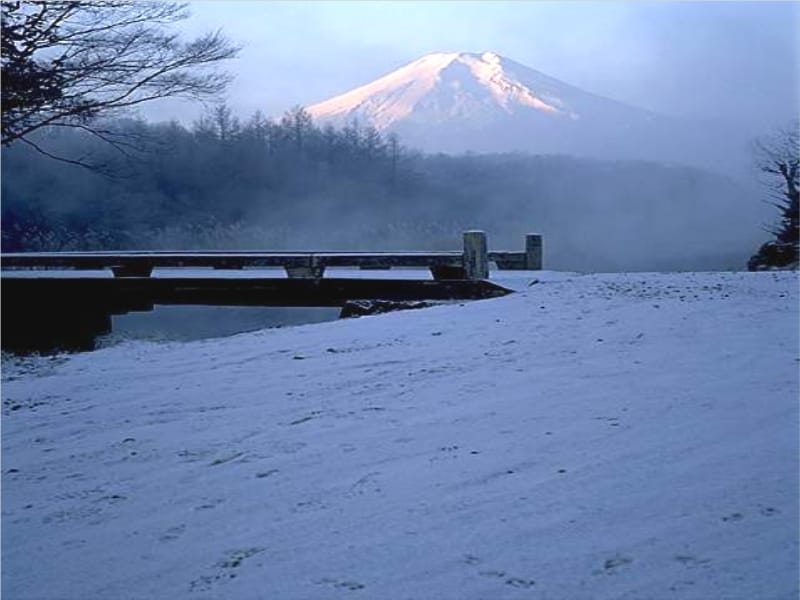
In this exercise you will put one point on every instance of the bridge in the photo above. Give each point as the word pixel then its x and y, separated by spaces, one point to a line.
pixel 43 310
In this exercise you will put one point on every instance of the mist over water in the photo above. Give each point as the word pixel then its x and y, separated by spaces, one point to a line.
pixel 204 190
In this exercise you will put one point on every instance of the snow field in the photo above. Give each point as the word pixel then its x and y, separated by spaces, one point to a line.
pixel 596 436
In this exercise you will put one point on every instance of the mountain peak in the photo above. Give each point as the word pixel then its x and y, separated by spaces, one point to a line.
pixel 447 57
pixel 443 84
pixel 469 91
pixel 491 57
pixel 487 56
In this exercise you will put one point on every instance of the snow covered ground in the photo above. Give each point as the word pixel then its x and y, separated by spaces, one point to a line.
pixel 595 436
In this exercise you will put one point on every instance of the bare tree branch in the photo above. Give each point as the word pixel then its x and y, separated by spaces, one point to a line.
pixel 71 62
pixel 71 161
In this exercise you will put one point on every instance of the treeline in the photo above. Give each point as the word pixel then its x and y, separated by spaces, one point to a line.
pixel 227 183
pixel 206 184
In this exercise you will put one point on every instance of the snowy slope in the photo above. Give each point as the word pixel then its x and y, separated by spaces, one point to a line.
pixel 597 436
pixel 443 87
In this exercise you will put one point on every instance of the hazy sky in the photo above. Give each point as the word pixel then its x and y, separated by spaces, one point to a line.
pixel 728 60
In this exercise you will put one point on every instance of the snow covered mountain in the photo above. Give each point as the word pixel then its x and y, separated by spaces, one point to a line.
pixel 459 101
pixel 441 87
pixel 451 101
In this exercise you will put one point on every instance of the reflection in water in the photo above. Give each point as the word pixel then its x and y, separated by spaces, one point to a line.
pixel 185 323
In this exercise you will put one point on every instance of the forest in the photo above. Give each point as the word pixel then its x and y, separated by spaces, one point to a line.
pixel 262 184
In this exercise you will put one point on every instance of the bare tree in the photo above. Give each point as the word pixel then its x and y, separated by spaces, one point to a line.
pixel 778 157
pixel 67 63
pixel 299 122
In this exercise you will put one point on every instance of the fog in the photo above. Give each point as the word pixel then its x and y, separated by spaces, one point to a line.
pixel 680 195
pixel 255 188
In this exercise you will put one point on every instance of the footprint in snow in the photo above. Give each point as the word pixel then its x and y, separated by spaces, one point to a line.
pixel 213 503
pixel 225 569
pixel 733 517
pixel 347 585
pixel 226 459
pixel 690 560
pixel 615 562
pixel 517 582
pixel 264 474
pixel 369 483
pixel 173 533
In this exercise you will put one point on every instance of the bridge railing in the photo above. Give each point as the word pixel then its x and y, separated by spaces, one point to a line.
pixel 470 263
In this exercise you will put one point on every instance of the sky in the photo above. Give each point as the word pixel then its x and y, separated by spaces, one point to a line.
pixel 730 61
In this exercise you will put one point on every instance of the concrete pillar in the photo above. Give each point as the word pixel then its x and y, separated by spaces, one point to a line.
pixel 476 258
pixel 533 252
